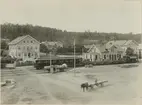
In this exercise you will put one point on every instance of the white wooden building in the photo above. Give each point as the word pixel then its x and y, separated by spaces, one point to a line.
pixel 25 47
pixel 124 44
pixel 93 54
pixel 99 53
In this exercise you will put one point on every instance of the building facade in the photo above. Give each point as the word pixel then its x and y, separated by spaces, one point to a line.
pixel 93 54
pixel 113 53
pixel 124 44
pixel 24 47
pixel 98 53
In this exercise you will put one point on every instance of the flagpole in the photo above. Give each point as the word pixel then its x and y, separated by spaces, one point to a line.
pixel 74 58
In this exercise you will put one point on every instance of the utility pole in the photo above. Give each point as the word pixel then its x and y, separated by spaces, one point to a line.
pixel 74 58
pixel 50 61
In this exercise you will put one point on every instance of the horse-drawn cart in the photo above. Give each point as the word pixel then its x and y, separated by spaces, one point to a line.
pixel 98 84
pixel 91 86
pixel 56 68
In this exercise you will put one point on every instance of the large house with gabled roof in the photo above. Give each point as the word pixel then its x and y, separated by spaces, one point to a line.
pixel 24 47
pixel 124 44
pixel 113 50
pixel 99 53
pixel 93 54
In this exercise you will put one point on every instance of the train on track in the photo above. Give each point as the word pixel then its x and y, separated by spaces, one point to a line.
pixel 40 63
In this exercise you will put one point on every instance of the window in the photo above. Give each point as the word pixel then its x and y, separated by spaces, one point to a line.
pixel 110 57
pixel 91 57
pixel 96 57
pixel 29 55
pixel 31 47
pixel 27 41
pixel 27 47
pixel 86 56
pixel 19 54
pixel 114 57
pixel 24 41
pixel 31 41
pixel 24 47
pixel 104 56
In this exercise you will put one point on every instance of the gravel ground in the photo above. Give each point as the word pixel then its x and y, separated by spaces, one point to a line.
pixel 38 87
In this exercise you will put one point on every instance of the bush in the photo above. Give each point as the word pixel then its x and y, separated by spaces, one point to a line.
pixel 121 61
pixel 115 62
pixel 87 62
pixel 106 62
pixel 99 63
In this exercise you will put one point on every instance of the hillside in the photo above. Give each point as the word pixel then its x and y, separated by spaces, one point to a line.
pixel 12 31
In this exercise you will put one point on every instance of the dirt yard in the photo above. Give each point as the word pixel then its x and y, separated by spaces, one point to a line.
pixel 38 87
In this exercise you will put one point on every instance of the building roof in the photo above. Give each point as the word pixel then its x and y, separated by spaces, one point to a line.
pixel 56 57
pixel 88 46
pixel 99 47
pixel 119 43
pixel 20 38
pixel 102 48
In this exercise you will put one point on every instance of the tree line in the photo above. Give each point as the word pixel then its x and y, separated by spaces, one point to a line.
pixel 11 31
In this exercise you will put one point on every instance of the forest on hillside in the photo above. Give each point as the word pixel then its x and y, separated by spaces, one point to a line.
pixel 11 31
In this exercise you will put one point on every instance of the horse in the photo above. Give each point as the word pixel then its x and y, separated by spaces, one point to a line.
pixel 84 85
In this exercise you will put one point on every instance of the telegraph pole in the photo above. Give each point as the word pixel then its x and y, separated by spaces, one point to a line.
pixel 50 61
pixel 74 58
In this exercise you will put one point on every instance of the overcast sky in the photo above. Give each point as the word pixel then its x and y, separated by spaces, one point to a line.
pixel 120 16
